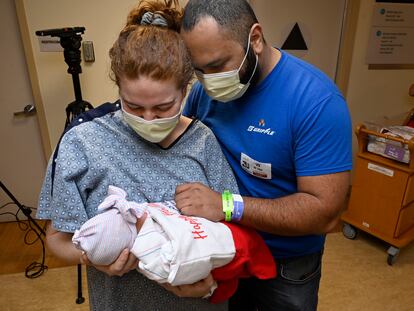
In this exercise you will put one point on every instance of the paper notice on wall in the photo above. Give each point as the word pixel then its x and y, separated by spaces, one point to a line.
pixel 50 44
pixel 391 39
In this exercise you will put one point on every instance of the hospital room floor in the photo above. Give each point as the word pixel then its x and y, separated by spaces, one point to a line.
pixel 356 276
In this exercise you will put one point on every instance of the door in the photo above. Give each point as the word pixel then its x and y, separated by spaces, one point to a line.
pixel 23 163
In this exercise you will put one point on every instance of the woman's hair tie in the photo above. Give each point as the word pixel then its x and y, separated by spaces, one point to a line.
pixel 155 19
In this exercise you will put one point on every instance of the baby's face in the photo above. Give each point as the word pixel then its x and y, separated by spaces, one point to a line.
pixel 140 222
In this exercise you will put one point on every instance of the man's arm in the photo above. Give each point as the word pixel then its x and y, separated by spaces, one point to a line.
pixel 314 209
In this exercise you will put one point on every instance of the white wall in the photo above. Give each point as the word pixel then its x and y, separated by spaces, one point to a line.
pixel 320 22
pixel 375 94
pixel 103 20
pixel 371 94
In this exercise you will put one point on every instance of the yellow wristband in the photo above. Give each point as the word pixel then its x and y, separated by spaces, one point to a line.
pixel 228 205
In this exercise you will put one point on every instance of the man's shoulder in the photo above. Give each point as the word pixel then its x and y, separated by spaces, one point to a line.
pixel 197 87
pixel 197 101
pixel 198 94
pixel 310 75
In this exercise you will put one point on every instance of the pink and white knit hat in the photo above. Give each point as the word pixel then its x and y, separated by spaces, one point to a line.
pixel 106 235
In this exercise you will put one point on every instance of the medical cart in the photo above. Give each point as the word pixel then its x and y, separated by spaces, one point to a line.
pixel 382 196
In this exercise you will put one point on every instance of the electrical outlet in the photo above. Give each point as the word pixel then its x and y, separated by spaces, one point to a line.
pixel 88 52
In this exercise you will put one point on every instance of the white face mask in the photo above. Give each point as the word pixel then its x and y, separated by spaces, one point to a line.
pixel 226 86
pixel 153 131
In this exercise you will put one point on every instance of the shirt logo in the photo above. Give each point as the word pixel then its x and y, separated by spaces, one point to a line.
pixel 261 129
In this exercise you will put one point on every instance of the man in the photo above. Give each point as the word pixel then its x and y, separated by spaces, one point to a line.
pixel 285 130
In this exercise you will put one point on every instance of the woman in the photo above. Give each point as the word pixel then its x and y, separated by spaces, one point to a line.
pixel 141 144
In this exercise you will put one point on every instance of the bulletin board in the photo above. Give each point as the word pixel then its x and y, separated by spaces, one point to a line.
pixel 391 39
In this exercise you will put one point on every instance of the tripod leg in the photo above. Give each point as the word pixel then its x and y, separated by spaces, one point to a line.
pixel 26 211
pixel 80 299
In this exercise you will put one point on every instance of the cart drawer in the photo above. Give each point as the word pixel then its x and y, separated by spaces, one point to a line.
pixel 376 196
pixel 409 193
pixel 405 221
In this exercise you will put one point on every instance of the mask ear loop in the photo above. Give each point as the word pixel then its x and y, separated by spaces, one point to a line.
pixel 248 48
pixel 247 53
pixel 254 70
pixel 245 56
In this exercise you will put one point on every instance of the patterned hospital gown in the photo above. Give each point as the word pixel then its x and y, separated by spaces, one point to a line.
pixel 100 149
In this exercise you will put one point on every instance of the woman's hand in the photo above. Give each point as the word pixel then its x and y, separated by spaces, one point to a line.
pixel 125 263
pixel 196 290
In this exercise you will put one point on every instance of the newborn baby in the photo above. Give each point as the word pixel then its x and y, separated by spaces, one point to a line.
pixel 174 248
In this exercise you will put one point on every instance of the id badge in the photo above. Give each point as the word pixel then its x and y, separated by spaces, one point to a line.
pixel 256 168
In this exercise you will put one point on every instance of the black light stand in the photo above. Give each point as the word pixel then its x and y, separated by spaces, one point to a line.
pixel 26 210
pixel 70 40
pixel 35 269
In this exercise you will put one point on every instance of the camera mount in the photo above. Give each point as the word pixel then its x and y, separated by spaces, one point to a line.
pixel 70 40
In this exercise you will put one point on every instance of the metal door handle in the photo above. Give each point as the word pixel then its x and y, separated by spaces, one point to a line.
pixel 28 110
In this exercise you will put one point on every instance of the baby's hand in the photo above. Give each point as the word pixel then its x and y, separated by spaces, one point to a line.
pixel 125 263
pixel 84 260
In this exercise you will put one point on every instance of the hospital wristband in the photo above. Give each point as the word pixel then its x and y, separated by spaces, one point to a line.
pixel 228 207
pixel 238 207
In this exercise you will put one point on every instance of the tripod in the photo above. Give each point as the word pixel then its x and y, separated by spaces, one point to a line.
pixel 70 40
pixel 27 211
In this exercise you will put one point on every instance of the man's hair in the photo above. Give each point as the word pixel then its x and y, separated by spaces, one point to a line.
pixel 236 17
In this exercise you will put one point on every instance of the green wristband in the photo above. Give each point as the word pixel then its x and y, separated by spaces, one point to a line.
pixel 228 205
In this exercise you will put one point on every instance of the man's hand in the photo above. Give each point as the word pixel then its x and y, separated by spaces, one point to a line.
pixel 125 263
pixel 196 290
pixel 195 199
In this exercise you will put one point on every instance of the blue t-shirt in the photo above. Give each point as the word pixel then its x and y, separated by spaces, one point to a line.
pixel 294 123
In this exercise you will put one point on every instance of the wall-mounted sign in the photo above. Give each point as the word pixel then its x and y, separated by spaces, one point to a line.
pixel 295 40
pixel 50 44
pixel 391 38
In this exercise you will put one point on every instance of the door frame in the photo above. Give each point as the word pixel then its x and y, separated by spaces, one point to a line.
pixel 346 45
pixel 34 81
